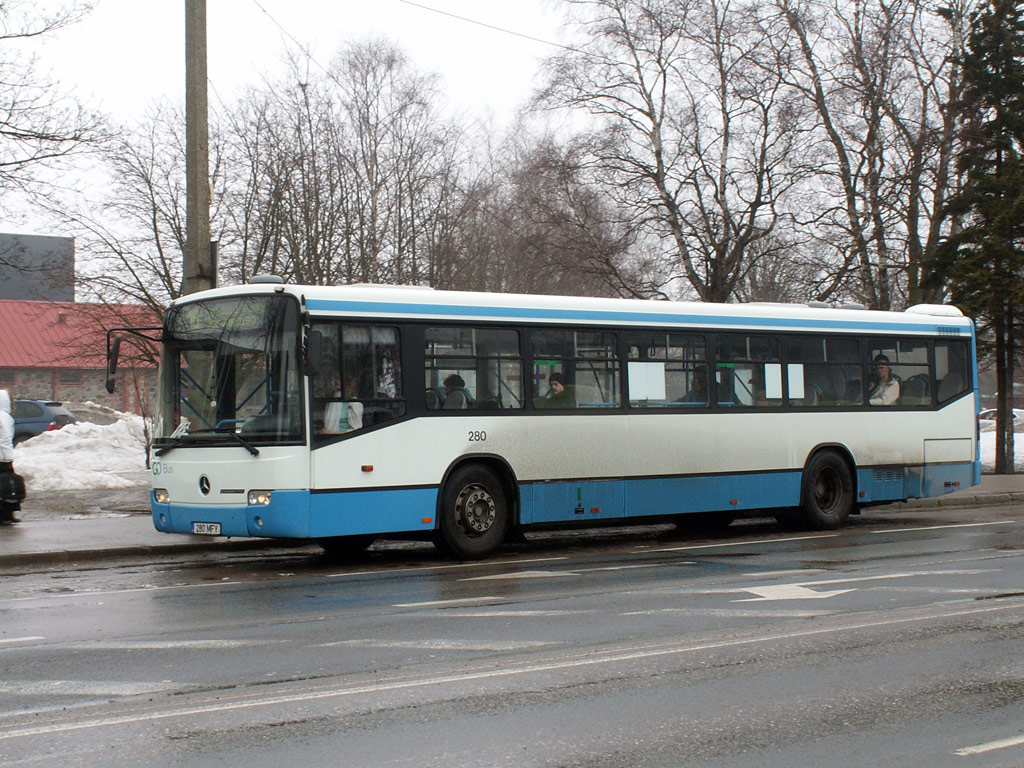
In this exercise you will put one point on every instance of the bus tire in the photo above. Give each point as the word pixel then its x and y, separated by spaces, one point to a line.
pixel 474 517
pixel 826 492
pixel 342 547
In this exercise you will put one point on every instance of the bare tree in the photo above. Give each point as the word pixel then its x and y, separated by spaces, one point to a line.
pixel 695 135
pixel 341 176
pixel 39 125
pixel 131 239
pixel 879 77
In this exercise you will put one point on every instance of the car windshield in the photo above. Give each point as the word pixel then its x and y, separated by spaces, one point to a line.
pixel 230 369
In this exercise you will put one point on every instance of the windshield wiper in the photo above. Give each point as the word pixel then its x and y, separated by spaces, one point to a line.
pixel 175 442
pixel 241 441
pixel 219 431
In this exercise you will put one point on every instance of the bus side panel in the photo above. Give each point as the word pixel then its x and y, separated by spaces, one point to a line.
pixel 655 496
pixel 713 493
pixel 346 513
pixel 572 501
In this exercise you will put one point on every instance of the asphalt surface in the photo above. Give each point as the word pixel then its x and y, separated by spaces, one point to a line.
pixel 81 525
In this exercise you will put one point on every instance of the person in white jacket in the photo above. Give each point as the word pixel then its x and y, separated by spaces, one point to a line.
pixel 885 388
pixel 7 509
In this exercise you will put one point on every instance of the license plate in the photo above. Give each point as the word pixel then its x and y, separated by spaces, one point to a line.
pixel 206 529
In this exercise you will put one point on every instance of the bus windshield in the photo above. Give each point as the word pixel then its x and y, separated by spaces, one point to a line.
pixel 230 373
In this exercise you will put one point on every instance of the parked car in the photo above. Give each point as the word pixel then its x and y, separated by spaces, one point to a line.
pixel 33 417
pixel 987 419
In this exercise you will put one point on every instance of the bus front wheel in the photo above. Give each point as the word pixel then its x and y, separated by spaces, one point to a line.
pixel 827 492
pixel 474 514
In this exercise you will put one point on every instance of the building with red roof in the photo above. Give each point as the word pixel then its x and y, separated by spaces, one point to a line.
pixel 51 350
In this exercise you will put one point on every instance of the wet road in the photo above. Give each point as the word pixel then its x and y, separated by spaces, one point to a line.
pixel 899 640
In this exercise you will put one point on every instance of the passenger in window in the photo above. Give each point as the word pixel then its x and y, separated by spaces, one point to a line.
pixel 559 395
pixel 885 388
pixel 456 396
pixel 342 417
pixel 698 387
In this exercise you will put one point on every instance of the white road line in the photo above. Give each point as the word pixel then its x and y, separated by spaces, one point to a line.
pixel 572 572
pixel 163 645
pixel 523 575
pixel 109 592
pixel 83 688
pixel 485 613
pixel 443 645
pixel 747 543
pixel 771 592
pixel 991 746
pixel 575 662
pixel 442 603
pixel 768 613
pixel 444 567
pixel 942 527
pixel 21 639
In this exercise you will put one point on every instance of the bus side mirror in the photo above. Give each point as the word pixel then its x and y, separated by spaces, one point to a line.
pixel 314 353
pixel 112 352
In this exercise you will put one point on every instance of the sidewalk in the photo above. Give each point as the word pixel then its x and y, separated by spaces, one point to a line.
pixel 122 528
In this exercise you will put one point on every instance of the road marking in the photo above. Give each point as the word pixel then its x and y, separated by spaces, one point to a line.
pixel 942 527
pixel 83 688
pixel 500 614
pixel 21 639
pixel 108 593
pixel 573 572
pixel 787 592
pixel 490 563
pixel 443 645
pixel 442 603
pixel 162 645
pixel 748 543
pixel 991 746
pixel 794 587
pixel 735 613
pixel 523 575
pixel 574 662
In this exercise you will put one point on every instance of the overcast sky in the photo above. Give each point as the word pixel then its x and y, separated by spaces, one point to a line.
pixel 128 53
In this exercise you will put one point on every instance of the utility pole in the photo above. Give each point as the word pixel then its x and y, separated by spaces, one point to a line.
pixel 199 268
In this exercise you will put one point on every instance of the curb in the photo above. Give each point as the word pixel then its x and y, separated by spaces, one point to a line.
pixel 967 500
pixel 73 556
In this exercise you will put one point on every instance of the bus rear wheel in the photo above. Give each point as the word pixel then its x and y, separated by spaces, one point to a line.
pixel 827 492
pixel 474 517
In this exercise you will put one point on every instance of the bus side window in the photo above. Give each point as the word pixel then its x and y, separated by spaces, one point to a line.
pixel 575 369
pixel 951 366
pixel 469 368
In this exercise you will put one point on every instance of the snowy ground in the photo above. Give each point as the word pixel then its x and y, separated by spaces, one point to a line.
pixel 112 456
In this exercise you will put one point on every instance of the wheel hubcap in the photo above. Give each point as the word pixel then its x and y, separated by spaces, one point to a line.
pixel 827 491
pixel 476 510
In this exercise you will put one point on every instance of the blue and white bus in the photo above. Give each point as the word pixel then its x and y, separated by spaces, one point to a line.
pixel 345 414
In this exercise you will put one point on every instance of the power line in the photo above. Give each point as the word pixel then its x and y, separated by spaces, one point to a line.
pixel 488 26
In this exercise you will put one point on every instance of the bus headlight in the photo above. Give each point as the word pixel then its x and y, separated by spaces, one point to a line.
pixel 161 496
pixel 259 498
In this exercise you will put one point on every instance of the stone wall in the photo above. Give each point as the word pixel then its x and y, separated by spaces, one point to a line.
pixel 135 392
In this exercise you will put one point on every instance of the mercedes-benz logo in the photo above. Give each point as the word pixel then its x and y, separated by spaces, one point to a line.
pixel 204 485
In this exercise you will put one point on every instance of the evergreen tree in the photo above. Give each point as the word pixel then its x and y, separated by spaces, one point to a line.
pixel 983 257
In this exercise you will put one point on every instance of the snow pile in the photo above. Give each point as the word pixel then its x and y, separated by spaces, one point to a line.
pixel 86 456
